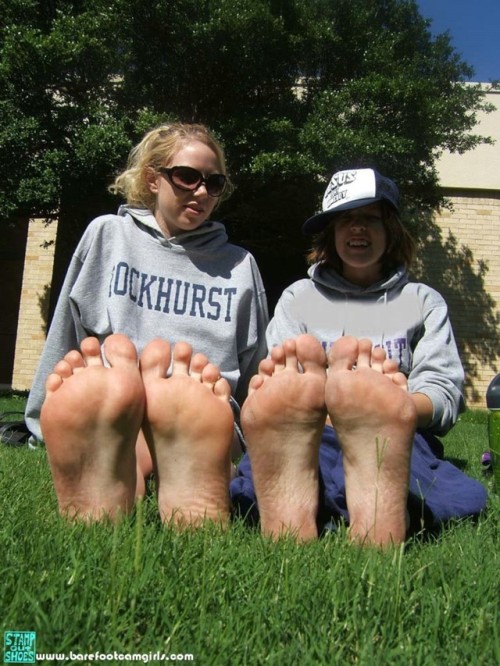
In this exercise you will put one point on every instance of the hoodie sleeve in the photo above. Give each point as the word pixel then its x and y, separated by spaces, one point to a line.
pixel 436 369
pixel 285 324
pixel 252 324
pixel 65 333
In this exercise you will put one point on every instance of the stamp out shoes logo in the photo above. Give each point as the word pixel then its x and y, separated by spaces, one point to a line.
pixel 19 647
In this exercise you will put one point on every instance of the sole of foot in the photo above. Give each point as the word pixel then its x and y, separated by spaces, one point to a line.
pixel 375 419
pixel 283 419
pixel 189 429
pixel 90 420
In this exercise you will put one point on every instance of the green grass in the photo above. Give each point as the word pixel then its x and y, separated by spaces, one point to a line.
pixel 235 598
pixel 12 402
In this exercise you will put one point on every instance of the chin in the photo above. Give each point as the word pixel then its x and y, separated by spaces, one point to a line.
pixel 191 226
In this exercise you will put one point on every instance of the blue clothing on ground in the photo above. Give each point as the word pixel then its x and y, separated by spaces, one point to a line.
pixel 439 491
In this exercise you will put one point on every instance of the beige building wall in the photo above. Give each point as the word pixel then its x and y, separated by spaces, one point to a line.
pixel 465 267
pixel 470 234
pixel 35 296
pixel 478 169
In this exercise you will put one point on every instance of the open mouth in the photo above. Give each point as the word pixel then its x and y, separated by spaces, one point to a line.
pixel 357 243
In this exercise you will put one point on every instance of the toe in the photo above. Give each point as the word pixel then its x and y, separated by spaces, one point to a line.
pixel 378 359
pixel 278 357
pixel 74 359
pixel 210 375
pixel 63 369
pixel 182 358
pixel 255 383
pixel 400 380
pixel 290 349
pixel 91 351
pixel 212 379
pixel 119 351
pixel 155 359
pixel 390 367
pixel 343 354
pixel 266 368
pixel 222 389
pixel 364 353
pixel 311 354
pixel 53 383
pixel 198 364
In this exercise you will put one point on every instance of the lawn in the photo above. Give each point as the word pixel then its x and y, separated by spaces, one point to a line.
pixel 233 598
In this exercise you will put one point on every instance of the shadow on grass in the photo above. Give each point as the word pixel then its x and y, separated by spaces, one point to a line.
pixel 461 463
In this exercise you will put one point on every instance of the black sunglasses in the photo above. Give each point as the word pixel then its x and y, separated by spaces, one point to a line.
pixel 189 179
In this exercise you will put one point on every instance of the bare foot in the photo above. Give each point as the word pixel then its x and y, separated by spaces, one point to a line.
pixel 189 429
pixel 90 421
pixel 375 419
pixel 283 418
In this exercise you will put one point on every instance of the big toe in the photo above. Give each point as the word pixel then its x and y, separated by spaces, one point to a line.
pixel 310 354
pixel 119 351
pixel 155 359
pixel 343 354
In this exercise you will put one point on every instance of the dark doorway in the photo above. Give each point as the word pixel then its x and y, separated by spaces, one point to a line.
pixel 12 251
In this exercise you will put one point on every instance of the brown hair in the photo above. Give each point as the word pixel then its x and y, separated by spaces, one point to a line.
pixel 401 246
pixel 155 150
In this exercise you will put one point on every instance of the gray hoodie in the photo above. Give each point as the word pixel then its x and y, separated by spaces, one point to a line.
pixel 408 319
pixel 126 277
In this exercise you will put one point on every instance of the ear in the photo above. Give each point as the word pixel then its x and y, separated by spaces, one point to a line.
pixel 151 177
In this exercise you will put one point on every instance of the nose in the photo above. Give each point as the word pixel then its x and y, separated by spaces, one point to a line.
pixel 199 190
pixel 358 223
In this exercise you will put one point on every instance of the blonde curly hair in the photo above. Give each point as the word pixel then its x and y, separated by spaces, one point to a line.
pixel 155 150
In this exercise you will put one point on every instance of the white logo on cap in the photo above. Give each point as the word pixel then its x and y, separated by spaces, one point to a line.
pixel 332 194
pixel 352 185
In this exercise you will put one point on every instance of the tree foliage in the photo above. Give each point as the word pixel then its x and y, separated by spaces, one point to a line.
pixel 294 89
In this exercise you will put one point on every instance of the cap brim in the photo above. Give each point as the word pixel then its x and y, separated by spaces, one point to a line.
pixel 316 223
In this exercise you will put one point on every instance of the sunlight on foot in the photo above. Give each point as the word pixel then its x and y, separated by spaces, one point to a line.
pixel 375 419
pixel 283 419
pixel 189 429
pixel 90 421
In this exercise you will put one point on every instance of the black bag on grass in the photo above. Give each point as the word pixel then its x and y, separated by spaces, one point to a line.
pixel 13 429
